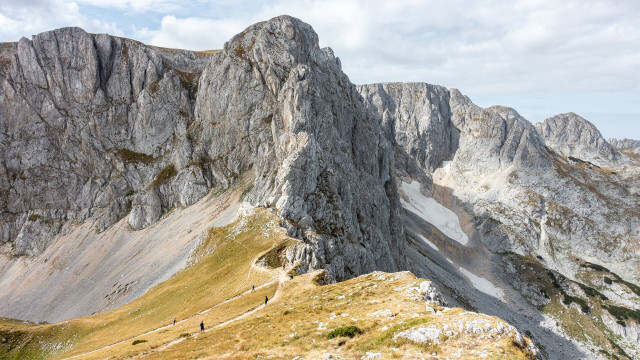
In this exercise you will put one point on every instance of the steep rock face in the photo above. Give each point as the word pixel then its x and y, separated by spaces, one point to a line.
pixel 418 117
pixel 86 123
pixel 101 126
pixel 571 135
pixel 274 102
pixel 519 196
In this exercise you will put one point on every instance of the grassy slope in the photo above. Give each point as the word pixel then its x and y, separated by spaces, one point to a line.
pixel 296 322
pixel 380 304
pixel 223 271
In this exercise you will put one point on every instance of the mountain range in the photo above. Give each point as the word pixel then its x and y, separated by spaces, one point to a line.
pixel 118 158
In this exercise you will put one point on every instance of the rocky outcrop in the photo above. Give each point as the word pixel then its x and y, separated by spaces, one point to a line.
pixel 86 124
pixel 512 193
pixel 417 116
pixel 98 126
pixel 571 135
pixel 630 145
pixel 431 294
pixel 274 102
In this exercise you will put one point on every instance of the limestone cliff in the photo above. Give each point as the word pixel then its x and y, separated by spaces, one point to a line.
pixel 103 127
pixel 571 135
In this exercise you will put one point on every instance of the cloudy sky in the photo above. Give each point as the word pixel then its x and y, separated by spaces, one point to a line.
pixel 541 57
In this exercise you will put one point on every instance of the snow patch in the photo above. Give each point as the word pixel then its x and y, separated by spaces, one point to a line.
pixel 483 284
pixel 428 242
pixel 432 212
pixel 446 165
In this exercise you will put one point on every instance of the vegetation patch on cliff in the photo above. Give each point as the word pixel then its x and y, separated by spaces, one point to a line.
pixel 131 157
pixel 164 176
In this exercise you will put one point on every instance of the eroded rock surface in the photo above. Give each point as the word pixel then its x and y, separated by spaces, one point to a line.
pixel 95 125
pixel 571 135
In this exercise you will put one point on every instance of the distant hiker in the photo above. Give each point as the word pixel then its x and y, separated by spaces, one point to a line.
pixel 283 264
pixel 174 321
pixel 266 300
pixel 201 325
pixel 253 288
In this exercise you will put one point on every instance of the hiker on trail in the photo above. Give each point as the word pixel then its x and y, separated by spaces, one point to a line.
pixel 174 321
pixel 253 288
pixel 266 300
pixel 201 326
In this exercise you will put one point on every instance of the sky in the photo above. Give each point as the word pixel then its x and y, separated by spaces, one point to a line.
pixel 541 57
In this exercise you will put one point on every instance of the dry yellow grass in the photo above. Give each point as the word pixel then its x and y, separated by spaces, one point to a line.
pixel 224 270
pixel 380 304
pixel 215 289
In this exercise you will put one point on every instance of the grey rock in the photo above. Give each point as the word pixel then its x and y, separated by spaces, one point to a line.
pixel 571 135
pixel 98 126
pixel 417 116
pixel 85 120
pixel 431 294
pixel 624 143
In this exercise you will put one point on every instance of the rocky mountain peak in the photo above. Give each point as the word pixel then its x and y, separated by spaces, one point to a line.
pixel 571 135
pixel 283 41
pixel 102 127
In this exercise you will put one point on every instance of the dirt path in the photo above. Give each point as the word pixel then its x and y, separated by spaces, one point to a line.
pixel 282 277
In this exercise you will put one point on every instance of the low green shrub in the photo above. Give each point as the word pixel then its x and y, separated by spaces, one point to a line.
pixel 623 313
pixel 164 175
pixel 127 156
pixel 568 299
pixel 345 331
pixel 136 342
pixel 591 292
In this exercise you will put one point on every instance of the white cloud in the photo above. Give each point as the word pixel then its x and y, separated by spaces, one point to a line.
pixel 489 49
pixel 139 6
pixel 192 33
pixel 24 18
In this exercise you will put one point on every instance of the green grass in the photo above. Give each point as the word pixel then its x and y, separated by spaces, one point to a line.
pixel 345 331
